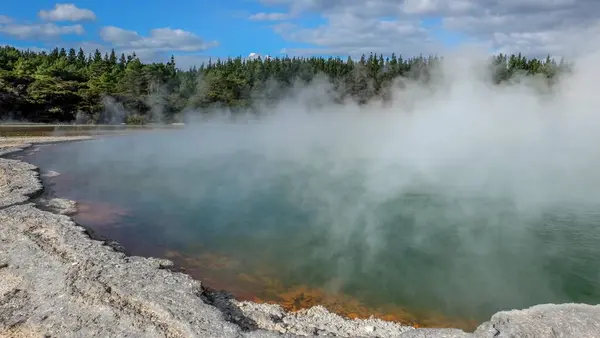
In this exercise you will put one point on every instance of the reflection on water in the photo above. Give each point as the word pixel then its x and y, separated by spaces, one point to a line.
pixel 301 236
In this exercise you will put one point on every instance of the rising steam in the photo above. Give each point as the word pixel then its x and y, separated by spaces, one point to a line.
pixel 363 171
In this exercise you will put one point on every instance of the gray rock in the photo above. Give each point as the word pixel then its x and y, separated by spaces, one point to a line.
pixel 316 321
pixel 71 286
pixel 547 320
pixel 436 333
pixel 59 205
pixel 19 181
pixel 13 149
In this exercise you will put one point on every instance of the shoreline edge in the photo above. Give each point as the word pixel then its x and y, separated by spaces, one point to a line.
pixel 57 280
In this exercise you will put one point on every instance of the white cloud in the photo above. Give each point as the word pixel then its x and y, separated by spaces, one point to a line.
pixel 39 31
pixel 354 27
pixel 5 19
pixel 364 8
pixel 348 33
pixel 36 31
pixel 437 6
pixel 67 12
pixel 188 61
pixel 118 35
pixel 160 39
pixel 36 49
pixel 158 45
pixel 533 26
pixel 268 16
pixel 254 56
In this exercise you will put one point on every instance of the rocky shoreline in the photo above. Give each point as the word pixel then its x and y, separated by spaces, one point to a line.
pixel 57 281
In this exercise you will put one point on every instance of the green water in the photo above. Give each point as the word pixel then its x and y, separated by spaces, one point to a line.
pixel 464 253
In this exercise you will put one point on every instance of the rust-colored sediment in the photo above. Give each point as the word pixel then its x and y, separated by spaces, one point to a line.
pixel 219 271
pixel 99 214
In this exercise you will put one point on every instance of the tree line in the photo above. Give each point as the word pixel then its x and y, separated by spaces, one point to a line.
pixel 72 86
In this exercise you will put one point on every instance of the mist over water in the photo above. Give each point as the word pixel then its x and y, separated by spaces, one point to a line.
pixel 461 196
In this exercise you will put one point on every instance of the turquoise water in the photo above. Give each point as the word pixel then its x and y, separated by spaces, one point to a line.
pixel 423 247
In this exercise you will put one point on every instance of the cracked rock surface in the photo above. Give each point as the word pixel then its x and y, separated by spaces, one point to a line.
pixel 55 281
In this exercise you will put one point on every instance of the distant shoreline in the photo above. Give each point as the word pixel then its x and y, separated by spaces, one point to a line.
pixel 88 126
pixel 59 281
pixel 44 129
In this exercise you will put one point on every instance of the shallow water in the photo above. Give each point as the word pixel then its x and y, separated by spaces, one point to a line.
pixel 272 230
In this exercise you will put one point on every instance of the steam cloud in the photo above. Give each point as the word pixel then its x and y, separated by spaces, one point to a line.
pixel 460 139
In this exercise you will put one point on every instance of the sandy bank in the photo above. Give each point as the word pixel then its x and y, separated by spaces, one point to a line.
pixel 55 281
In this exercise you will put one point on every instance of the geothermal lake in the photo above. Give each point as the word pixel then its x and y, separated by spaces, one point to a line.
pixel 309 228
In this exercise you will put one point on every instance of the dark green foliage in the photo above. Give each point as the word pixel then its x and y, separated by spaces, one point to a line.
pixel 62 85
pixel 135 120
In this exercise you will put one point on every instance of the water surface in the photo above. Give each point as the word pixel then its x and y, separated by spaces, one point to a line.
pixel 268 228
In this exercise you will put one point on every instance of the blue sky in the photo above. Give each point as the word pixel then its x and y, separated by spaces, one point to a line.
pixel 226 22
pixel 196 30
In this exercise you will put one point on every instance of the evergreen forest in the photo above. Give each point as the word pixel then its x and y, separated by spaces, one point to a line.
pixel 66 86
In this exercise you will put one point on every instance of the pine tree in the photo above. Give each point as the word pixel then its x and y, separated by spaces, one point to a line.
pixel 59 85
pixel 72 56
pixel 81 60
pixel 97 57
pixel 122 61
pixel 112 59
